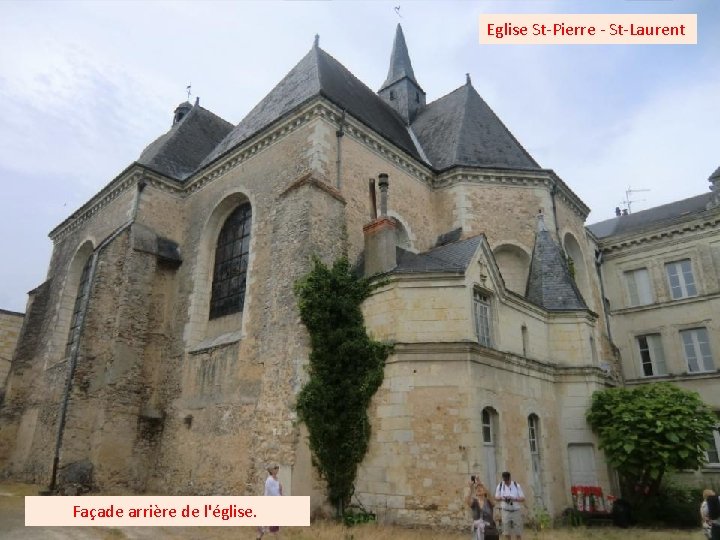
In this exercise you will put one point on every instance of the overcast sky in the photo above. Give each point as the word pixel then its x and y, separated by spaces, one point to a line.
pixel 84 87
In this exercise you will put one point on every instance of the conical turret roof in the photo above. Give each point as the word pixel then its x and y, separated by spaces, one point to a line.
pixel 550 284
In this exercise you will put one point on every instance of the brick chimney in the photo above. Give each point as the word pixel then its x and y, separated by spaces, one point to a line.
pixel 380 256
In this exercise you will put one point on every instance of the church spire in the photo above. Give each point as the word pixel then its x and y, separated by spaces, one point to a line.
pixel 400 65
pixel 401 90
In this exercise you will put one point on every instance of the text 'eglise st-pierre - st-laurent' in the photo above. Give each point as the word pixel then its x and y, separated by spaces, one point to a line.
pixel 562 29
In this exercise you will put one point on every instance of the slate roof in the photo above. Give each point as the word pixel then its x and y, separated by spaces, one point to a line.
pixel 453 257
pixel 549 282
pixel 652 217
pixel 461 129
pixel 318 73
pixel 179 152
pixel 400 65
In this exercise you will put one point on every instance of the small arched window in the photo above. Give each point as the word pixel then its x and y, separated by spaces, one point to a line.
pixel 231 263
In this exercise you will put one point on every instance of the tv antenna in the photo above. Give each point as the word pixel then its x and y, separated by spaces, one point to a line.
pixel 627 202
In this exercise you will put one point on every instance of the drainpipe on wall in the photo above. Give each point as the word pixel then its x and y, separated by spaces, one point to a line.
pixel 598 267
pixel 338 163
pixel 72 361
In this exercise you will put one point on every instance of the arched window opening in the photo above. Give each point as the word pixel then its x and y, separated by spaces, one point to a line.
pixel 82 293
pixel 576 265
pixel 489 430
pixel 231 263
pixel 534 444
pixel 514 264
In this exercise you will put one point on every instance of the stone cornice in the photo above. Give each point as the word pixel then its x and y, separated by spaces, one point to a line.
pixel 468 351
pixel 121 183
pixel 667 304
pixel 318 107
pixel 500 177
pixel 703 224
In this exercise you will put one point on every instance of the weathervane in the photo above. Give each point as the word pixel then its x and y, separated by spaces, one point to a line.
pixel 189 86
pixel 397 10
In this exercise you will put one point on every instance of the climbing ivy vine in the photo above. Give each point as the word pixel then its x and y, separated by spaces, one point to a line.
pixel 345 371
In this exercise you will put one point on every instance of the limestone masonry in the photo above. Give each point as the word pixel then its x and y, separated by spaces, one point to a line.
pixel 164 352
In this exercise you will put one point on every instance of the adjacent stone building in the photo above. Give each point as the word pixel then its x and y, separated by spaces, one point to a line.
pixel 164 351
pixel 661 274
pixel 10 325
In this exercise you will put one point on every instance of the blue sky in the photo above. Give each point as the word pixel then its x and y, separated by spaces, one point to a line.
pixel 85 86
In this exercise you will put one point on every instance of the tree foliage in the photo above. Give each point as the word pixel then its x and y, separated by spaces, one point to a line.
pixel 649 430
pixel 346 368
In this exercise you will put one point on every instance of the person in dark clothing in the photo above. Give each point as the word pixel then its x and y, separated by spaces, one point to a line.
pixel 482 511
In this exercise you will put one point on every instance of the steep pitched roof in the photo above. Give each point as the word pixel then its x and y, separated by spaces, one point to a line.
pixel 400 65
pixel 316 74
pixel 178 152
pixel 453 257
pixel 461 129
pixel 549 282
pixel 652 217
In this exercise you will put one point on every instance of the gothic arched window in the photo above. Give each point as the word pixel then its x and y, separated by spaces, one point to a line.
pixel 231 263
pixel 82 292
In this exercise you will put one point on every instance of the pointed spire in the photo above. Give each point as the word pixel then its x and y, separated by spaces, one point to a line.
pixel 400 65
pixel 316 43
pixel 467 79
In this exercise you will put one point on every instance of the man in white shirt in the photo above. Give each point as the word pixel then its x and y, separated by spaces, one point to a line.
pixel 509 495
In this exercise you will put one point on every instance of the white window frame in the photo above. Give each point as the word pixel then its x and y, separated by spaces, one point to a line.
pixel 681 279
pixel 652 355
pixel 482 317
pixel 696 347
pixel 639 287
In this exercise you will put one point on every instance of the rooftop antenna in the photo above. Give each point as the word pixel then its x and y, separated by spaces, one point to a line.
pixel 627 202
pixel 189 86
pixel 397 10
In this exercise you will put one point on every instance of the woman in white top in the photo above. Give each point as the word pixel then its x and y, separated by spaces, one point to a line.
pixel 273 488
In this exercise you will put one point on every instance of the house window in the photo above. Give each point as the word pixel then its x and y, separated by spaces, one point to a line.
pixel 82 293
pixel 697 350
pixel 682 281
pixel 652 357
pixel 638 285
pixel 481 304
pixel 713 451
pixel 489 425
pixel 231 262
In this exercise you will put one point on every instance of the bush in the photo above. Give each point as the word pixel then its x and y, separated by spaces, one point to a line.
pixel 674 506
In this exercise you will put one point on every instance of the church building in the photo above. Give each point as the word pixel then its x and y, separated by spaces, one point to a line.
pixel 164 352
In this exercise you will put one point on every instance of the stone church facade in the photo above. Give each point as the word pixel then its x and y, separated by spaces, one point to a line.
pixel 164 351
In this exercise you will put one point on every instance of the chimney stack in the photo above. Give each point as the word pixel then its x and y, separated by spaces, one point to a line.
pixel 380 234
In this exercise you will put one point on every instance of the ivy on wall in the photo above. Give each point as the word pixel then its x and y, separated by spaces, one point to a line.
pixel 345 370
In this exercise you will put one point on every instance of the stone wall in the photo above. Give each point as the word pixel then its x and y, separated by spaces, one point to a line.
pixel 10 325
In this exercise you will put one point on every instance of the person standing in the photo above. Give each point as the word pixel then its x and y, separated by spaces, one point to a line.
pixel 509 495
pixel 273 488
pixel 482 509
